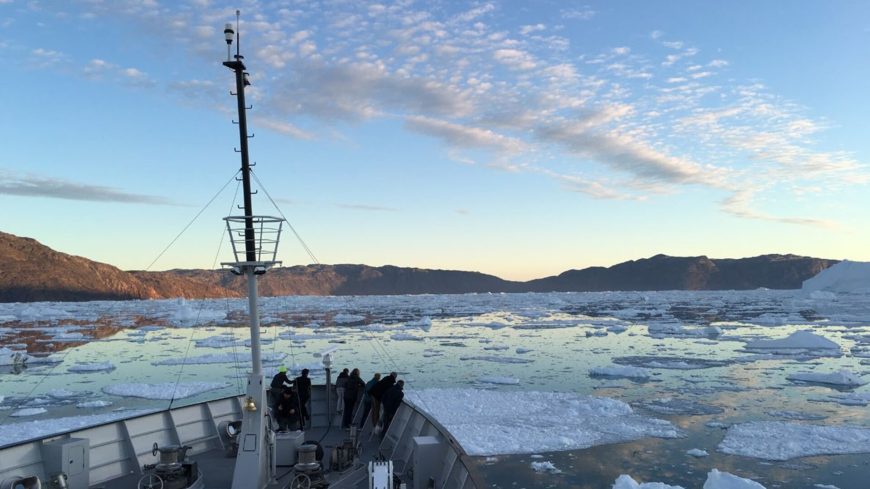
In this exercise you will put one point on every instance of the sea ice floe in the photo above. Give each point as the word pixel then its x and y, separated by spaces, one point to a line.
pixel 799 342
pixel 219 341
pixel 840 378
pixel 545 466
pixel 724 480
pixel 345 318
pixel 14 432
pixel 670 363
pixel 166 390
pixel 62 394
pixel 405 337
pixel 851 398
pixel 93 404
pixel 638 373
pixel 797 415
pixel 625 481
pixel 779 440
pixel 91 367
pixel 491 422
pixel 715 480
pixel 697 453
pixel 238 357
pixel 28 412
pixel 495 359
pixel 676 329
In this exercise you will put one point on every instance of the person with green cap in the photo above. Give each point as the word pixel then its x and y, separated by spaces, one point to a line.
pixel 280 382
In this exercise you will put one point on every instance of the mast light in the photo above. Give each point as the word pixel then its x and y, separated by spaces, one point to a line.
pixel 229 34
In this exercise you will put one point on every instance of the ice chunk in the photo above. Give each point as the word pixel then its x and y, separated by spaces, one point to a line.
pixel 724 480
pixel 65 394
pixel 28 412
pixel 779 440
pixel 93 404
pixel 841 377
pixel 490 358
pixel 625 481
pixel 697 452
pixel 796 415
pixel 545 466
pixel 491 422
pixel 405 337
pixel 670 363
pixel 10 357
pixel 166 390
pixel 91 367
pixel 344 318
pixel 219 341
pixel 13 432
pixel 806 340
pixel 625 372
pixel 238 357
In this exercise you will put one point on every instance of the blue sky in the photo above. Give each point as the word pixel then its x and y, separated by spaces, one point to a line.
pixel 520 139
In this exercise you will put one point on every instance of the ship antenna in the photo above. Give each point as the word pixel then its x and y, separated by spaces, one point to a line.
pixel 255 245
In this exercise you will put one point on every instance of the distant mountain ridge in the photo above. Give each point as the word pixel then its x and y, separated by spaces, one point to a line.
pixel 35 272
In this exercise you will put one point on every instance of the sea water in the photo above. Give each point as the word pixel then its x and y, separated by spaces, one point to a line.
pixel 685 358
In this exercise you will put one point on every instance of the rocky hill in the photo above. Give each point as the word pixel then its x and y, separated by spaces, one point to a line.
pixel 34 272
pixel 662 272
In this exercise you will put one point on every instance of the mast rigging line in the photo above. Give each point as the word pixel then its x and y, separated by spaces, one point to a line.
pixel 201 307
pixel 298 237
pixel 192 221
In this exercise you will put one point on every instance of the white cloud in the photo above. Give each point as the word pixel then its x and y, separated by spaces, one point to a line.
pixel 514 58
pixel 464 136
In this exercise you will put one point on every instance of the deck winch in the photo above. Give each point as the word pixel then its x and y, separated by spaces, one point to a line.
pixel 309 471
pixel 172 471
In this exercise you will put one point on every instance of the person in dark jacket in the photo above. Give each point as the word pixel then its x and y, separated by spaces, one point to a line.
pixel 303 387
pixel 367 400
pixel 340 382
pixel 286 412
pixel 391 400
pixel 377 392
pixel 279 382
pixel 353 391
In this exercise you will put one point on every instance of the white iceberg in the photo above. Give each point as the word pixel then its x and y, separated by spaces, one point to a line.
pixel 844 277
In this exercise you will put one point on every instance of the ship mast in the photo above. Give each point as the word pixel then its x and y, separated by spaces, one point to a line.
pixel 255 245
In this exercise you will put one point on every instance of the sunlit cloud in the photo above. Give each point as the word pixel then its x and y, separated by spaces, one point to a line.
pixel 647 117
pixel 55 188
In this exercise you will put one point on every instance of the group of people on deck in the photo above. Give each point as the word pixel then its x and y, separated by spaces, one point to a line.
pixel 289 398
pixel 378 392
